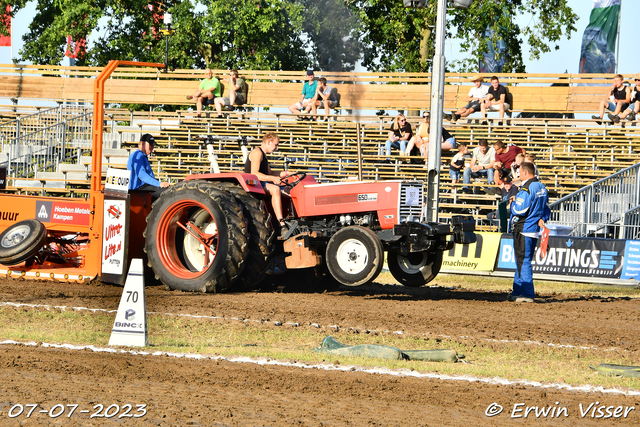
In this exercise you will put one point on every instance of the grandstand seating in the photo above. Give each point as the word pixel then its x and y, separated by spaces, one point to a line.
pixel 571 93
pixel 570 153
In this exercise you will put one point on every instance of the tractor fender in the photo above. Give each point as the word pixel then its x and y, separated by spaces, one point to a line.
pixel 249 182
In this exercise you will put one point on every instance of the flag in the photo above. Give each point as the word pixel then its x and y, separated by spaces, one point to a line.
pixel 493 60
pixel 6 20
pixel 75 49
pixel 598 53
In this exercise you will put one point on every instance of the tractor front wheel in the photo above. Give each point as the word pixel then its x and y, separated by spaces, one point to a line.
pixel 354 256
pixel 415 269
pixel 196 238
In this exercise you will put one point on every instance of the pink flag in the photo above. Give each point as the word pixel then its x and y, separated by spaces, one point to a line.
pixel 6 19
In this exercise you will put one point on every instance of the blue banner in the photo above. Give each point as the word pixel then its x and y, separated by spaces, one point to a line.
pixel 571 256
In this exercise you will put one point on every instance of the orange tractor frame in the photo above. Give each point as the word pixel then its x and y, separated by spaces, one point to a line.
pixel 71 228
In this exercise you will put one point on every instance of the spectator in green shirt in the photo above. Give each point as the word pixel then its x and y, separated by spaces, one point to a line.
pixel 237 93
pixel 209 90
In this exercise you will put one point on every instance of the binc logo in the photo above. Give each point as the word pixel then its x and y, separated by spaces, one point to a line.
pixel 43 211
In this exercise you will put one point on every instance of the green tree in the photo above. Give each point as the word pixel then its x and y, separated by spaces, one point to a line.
pixel 332 29
pixel 259 34
pixel 396 38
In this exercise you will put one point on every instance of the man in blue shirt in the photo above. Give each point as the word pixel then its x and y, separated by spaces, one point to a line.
pixel 529 212
pixel 142 177
pixel 308 92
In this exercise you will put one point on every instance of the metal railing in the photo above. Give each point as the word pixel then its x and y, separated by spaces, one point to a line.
pixel 630 224
pixel 39 141
pixel 600 204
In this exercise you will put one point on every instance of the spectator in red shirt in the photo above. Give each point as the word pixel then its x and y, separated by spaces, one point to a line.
pixel 505 155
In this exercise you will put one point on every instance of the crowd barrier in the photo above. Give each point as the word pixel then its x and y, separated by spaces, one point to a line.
pixel 568 259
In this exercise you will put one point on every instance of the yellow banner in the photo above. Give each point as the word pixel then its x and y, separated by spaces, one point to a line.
pixel 479 256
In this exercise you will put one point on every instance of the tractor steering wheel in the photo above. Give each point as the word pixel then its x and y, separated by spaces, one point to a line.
pixel 296 178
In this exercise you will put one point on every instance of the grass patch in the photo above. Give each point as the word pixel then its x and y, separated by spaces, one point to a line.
pixel 185 335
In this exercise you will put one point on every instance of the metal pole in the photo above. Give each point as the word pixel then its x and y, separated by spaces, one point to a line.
pixel 166 52
pixel 618 37
pixel 359 152
pixel 437 104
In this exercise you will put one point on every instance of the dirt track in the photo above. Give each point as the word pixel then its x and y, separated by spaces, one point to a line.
pixel 182 392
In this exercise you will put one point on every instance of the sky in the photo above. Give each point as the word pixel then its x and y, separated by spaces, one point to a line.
pixel 564 59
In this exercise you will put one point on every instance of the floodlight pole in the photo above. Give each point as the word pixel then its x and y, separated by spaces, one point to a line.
pixel 436 106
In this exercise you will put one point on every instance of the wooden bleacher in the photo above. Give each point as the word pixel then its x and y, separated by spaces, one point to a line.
pixel 358 91
pixel 570 153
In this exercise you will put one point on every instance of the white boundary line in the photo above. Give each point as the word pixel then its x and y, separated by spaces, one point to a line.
pixel 331 367
pixel 336 327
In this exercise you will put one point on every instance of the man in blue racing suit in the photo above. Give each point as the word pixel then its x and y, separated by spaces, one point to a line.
pixel 528 215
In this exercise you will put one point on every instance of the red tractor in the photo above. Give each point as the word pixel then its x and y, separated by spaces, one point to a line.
pixel 214 231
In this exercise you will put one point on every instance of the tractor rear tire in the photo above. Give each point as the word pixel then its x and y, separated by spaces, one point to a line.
pixel 21 241
pixel 178 258
pixel 261 237
pixel 416 269
pixel 354 256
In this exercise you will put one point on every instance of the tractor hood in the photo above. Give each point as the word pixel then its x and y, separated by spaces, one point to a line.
pixel 394 201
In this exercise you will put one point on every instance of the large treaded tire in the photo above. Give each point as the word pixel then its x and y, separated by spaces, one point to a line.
pixel 21 241
pixel 261 237
pixel 174 255
pixel 416 269
pixel 354 256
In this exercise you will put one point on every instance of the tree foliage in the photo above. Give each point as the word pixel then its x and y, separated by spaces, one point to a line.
pixel 258 34
pixel 289 34
pixel 396 38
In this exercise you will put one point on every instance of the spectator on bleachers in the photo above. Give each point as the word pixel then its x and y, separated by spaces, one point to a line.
pixel 209 90
pixel 457 163
pixel 531 158
pixel 508 194
pixel 515 169
pixel 309 89
pixel 634 102
pixel 237 93
pixel 496 99
pixel 481 165
pixel 399 135
pixel 324 97
pixel 258 165
pixel 421 140
pixel 142 177
pixel 505 156
pixel 618 100
pixel 476 94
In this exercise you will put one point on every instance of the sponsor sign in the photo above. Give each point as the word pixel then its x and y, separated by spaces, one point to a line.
pixel 117 180
pixel 412 196
pixel 631 265
pixel 62 212
pixel 113 239
pixel 478 256
pixel 130 325
pixel 570 256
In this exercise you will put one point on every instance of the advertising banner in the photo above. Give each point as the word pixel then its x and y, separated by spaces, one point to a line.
pixel 62 212
pixel 631 266
pixel 479 256
pixel 570 256
pixel 113 239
